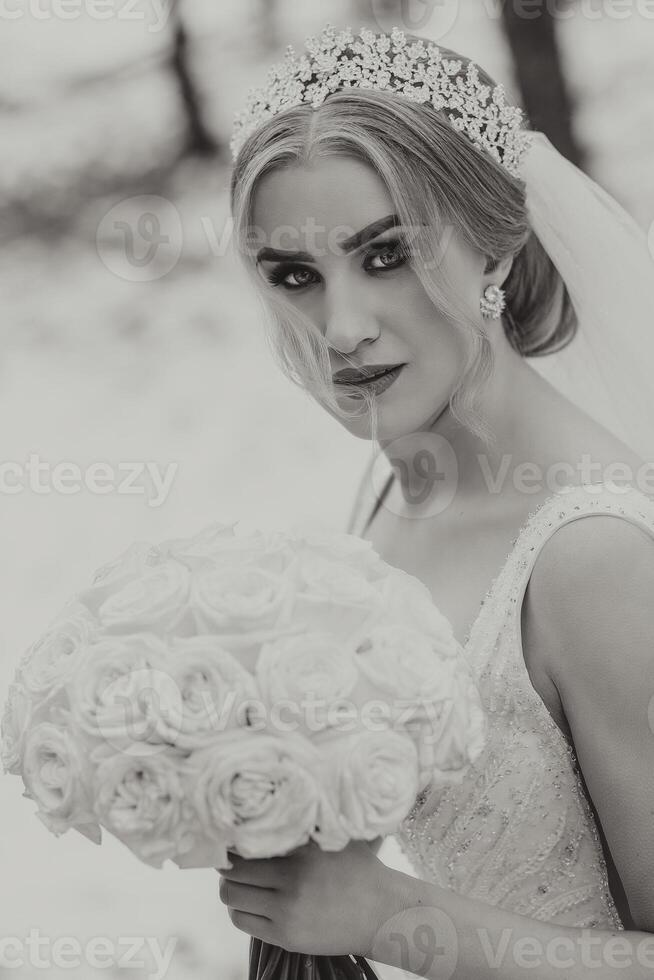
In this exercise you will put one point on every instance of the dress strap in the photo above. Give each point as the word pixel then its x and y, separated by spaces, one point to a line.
pixel 360 506
pixel 366 505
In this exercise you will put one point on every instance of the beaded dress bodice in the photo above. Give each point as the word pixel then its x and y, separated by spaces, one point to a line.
pixel 518 831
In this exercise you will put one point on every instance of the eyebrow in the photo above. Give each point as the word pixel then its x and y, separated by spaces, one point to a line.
pixel 349 245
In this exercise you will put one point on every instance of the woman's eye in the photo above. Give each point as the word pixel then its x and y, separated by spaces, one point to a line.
pixel 291 278
pixel 388 255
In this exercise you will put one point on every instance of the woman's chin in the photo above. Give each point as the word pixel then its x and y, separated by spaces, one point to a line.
pixel 392 424
pixel 395 419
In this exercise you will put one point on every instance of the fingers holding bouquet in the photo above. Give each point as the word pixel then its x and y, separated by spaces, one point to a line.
pixel 327 902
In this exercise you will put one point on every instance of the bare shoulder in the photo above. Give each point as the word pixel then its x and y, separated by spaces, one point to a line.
pixel 595 558
pixel 590 589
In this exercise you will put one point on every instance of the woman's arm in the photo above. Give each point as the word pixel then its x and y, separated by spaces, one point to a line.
pixel 441 935
pixel 590 625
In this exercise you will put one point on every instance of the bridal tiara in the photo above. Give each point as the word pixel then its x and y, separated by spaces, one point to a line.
pixel 416 70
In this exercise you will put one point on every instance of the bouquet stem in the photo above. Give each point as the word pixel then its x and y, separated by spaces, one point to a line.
pixel 273 963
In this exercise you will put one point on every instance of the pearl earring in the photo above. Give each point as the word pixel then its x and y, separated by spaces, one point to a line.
pixel 492 303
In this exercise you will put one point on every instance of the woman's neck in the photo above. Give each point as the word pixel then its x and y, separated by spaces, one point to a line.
pixel 528 419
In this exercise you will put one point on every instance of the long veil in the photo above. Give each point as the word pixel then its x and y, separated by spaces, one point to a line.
pixel 608 267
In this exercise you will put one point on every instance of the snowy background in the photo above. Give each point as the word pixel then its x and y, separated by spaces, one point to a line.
pixel 173 370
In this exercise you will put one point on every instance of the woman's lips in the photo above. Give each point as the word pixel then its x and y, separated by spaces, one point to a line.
pixel 380 382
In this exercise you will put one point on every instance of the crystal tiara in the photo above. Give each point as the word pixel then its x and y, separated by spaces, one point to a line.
pixel 417 70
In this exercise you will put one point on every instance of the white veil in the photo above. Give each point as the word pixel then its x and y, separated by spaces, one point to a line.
pixel 607 266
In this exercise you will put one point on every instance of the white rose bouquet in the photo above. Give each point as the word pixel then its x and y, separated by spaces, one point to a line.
pixel 244 692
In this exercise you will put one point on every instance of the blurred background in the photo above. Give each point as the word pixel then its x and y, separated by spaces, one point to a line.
pixel 130 342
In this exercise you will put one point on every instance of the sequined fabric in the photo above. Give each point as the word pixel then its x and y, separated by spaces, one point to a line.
pixel 518 832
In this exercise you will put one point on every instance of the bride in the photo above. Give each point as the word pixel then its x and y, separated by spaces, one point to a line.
pixel 421 252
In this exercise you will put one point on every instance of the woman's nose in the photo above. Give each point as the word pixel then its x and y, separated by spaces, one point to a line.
pixel 349 322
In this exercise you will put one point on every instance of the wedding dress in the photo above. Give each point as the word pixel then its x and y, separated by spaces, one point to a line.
pixel 520 832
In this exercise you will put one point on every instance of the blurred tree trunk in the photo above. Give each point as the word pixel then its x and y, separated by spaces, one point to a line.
pixel 540 75
pixel 266 26
pixel 199 141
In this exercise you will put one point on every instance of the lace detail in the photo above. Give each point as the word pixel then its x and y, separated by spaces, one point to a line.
pixel 519 832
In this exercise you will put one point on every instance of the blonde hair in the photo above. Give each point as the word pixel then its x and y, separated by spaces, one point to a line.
pixel 438 180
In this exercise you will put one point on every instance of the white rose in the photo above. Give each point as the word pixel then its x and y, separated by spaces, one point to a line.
pixel 404 663
pixel 333 597
pixel 210 539
pixel 244 605
pixel 408 601
pixel 305 680
pixel 55 778
pixel 261 792
pixel 116 574
pixel 48 664
pixel 155 600
pixel 376 780
pixel 243 598
pixel 225 548
pixel 142 802
pixel 432 696
pixel 15 720
pixel 213 691
pixel 119 689
pixel 338 547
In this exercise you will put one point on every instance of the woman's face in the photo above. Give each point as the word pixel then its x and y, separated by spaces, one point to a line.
pixel 329 239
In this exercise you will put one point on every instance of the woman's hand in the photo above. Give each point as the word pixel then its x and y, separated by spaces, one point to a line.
pixel 310 901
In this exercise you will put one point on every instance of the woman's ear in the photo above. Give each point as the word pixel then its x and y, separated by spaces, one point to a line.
pixel 497 271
